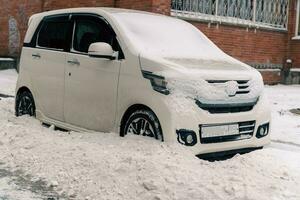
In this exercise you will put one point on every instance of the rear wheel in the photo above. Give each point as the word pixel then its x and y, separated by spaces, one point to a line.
pixel 25 104
pixel 145 123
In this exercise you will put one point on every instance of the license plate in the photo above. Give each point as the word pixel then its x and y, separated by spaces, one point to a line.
pixel 220 130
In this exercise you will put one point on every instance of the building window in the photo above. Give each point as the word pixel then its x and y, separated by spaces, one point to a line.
pixel 298 20
pixel 258 13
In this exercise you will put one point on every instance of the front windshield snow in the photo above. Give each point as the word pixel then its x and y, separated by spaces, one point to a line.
pixel 167 37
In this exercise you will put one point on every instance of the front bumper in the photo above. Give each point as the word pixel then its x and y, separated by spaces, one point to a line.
pixel 260 114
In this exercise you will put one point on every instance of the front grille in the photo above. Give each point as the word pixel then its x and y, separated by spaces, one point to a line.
pixel 214 109
pixel 242 84
pixel 227 107
pixel 246 131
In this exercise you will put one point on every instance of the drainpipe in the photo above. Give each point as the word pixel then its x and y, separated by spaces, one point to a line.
pixel 42 5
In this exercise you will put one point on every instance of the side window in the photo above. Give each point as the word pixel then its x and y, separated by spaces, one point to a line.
pixel 53 33
pixel 88 31
pixel 298 19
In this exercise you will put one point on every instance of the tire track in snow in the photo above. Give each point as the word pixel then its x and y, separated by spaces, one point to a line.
pixel 18 184
pixel 284 145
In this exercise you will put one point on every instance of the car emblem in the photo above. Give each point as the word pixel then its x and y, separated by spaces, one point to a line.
pixel 231 88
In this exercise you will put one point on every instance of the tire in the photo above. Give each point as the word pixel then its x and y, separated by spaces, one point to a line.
pixel 145 123
pixel 25 104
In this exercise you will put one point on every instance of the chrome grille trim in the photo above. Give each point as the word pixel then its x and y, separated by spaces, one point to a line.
pixel 247 126
pixel 242 84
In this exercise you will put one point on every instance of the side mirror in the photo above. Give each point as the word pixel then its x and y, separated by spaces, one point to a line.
pixel 102 50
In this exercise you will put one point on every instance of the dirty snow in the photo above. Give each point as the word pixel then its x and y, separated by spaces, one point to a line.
pixel 285 125
pixel 10 191
pixel 8 81
pixel 105 166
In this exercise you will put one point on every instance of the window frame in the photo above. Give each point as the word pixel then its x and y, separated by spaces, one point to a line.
pixel 297 31
pixel 49 18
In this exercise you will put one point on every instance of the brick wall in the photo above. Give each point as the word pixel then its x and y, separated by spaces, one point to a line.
pixel 145 5
pixel 271 77
pixel 254 46
pixel 247 45
pixel 13 23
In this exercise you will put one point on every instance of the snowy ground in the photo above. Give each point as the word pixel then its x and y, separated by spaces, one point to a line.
pixel 39 163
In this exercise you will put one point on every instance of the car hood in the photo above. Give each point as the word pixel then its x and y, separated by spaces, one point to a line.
pixel 208 80
pixel 222 69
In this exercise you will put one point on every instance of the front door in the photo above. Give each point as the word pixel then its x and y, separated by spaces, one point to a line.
pixel 90 83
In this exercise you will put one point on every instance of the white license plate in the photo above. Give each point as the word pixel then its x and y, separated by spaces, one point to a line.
pixel 220 130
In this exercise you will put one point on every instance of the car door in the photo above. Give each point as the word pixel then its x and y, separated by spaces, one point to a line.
pixel 90 83
pixel 48 61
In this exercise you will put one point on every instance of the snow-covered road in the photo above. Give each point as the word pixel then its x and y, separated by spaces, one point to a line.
pixel 50 164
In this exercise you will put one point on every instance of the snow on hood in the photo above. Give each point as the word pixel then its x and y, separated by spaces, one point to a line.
pixel 189 77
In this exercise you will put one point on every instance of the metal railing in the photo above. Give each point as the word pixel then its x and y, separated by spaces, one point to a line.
pixel 258 13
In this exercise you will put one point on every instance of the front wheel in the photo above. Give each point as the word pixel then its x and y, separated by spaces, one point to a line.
pixel 25 104
pixel 145 123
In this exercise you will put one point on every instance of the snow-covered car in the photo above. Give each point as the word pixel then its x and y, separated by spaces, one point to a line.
pixel 133 72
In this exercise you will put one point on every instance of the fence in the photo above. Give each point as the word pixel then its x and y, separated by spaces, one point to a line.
pixel 258 13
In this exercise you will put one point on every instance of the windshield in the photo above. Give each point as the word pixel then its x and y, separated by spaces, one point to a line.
pixel 167 37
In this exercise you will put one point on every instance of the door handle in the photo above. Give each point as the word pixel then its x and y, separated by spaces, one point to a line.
pixel 36 55
pixel 74 62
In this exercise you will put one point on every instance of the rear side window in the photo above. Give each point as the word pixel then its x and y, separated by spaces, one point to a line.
pixel 54 33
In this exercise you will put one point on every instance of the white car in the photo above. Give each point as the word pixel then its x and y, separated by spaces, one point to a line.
pixel 133 72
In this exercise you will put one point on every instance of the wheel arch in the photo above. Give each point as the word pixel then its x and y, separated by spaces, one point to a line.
pixel 131 110
pixel 23 89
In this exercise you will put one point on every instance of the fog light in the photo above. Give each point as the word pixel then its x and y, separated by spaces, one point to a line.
pixel 262 131
pixel 189 139
pixel 186 137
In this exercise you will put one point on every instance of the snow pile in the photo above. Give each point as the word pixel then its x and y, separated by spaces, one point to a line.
pixel 286 125
pixel 8 79
pixel 96 166
pixel 105 166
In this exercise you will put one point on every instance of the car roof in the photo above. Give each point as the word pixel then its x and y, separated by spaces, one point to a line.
pixel 103 11
pixel 107 10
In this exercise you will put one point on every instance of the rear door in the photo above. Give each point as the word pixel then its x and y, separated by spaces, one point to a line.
pixel 48 61
pixel 91 83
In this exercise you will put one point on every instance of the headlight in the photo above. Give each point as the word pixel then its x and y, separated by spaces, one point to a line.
pixel 158 83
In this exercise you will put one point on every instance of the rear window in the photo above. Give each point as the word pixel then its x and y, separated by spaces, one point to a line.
pixel 53 34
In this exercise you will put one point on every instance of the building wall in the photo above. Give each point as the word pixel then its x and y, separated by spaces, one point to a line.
pixel 258 47
pixel 13 23
pixel 253 46
pixel 246 44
